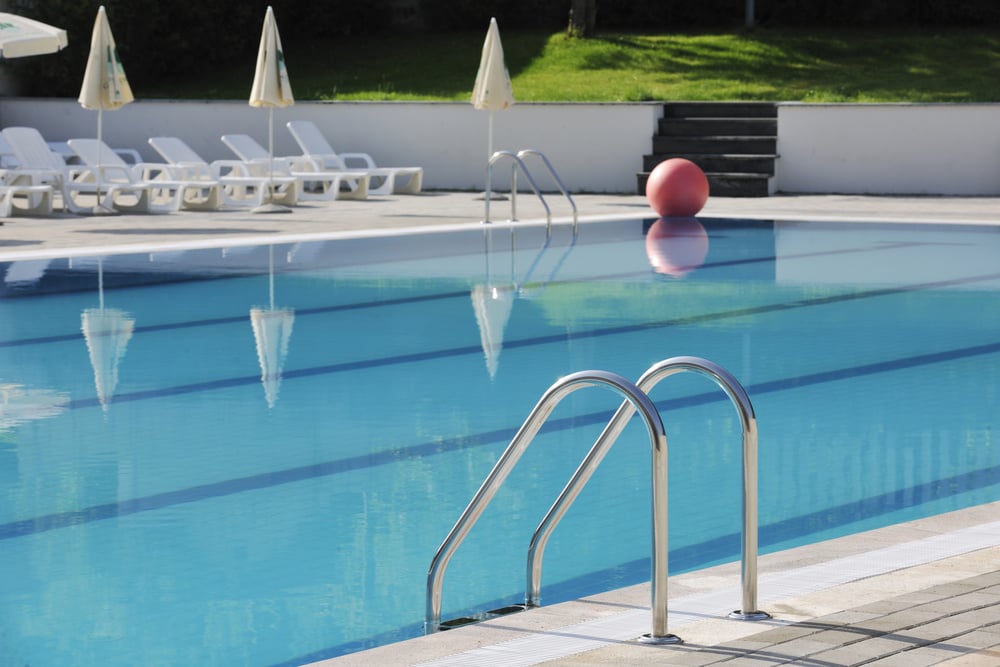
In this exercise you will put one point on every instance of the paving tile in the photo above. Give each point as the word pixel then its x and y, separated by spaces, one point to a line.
pixel 778 635
pixel 958 624
pixel 861 651
pixel 919 657
pixel 976 640
pixel 960 602
pixel 897 621
pixel 990 658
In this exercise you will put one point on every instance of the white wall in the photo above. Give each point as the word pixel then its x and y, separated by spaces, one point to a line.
pixel 933 149
pixel 913 149
pixel 594 147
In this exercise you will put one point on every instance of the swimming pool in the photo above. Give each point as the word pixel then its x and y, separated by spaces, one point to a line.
pixel 161 502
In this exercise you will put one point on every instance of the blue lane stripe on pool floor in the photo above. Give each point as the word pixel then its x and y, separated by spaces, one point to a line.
pixel 290 475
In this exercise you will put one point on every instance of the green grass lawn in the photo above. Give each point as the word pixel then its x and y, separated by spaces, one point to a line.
pixel 783 65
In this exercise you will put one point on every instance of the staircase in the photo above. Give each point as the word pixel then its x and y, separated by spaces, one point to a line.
pixel 734 143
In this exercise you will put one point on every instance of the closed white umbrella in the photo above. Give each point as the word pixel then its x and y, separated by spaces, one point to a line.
pixel 271 88
pixel 104 84
pixel 20 37
pixel 492 91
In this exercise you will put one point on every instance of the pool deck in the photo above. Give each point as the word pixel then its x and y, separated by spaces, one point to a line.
pixel 920 593
pixel 25 237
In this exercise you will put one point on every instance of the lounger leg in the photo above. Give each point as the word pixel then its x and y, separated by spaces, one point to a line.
pixel 6 205
pixel 412 185
pixel 143 202
pixel 38 200
pixel 289 196
pixel 202 198
pixel 384 187
pixel 358 191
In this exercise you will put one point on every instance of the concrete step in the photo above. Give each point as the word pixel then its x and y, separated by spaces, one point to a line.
pixel 726 162
pixel 734 143
pixel 720 110
pixel 715 145
pixel 701 127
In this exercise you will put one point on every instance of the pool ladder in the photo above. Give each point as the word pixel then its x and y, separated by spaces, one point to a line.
pixel 517 161
pixel 636 400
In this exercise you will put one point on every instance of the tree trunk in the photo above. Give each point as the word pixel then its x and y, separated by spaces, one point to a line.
pixel 582 16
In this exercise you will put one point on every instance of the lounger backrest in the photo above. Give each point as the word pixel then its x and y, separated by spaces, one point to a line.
pixel 174 150
pixel 95 153
pixel 245 147
pixel 309 138
pixel 31 150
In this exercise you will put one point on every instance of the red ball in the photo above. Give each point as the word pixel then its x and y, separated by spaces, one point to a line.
pixel 677 188
pixel 676 246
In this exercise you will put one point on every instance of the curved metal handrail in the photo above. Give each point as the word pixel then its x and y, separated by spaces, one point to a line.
pixel 603 444
pixel 518 162
pixel 562 188
pixel 638 401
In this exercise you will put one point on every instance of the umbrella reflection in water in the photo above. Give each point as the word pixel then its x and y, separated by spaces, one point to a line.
pixel 272 329
pixel 493 301
pixel 492 306
pixel 107 332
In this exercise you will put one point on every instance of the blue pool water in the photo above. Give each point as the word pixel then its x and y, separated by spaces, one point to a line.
pixel 161 503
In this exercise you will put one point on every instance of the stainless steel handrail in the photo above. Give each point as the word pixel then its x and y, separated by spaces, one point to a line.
pixel 638 401
pixel 518 162
pixel 603 444
pixel 562 188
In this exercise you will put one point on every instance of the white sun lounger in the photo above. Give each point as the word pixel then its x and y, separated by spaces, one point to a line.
pixel 314 183
pixel 239 186
pixel 37 199
pixel 315 146
pixel 165 193
pixel 38 165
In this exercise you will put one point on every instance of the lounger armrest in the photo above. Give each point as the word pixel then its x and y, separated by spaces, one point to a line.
pixel 364 158
pixel 129 155
pixel 191 171
pixel 151 171
pixel 79 173
pixel 222 168
pixel 301 163
pixel 114 173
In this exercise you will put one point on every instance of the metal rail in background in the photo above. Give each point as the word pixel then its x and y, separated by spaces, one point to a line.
pixel 517 160
pixel 522 154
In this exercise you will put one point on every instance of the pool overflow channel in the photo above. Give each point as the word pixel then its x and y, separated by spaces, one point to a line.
pixel 636 400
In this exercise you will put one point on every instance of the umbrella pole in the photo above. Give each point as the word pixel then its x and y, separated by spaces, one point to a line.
pixel 489 155
pixel 269 206
pixel 99 208
pixel 270 155
pixel 100 129
pixel 488 193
